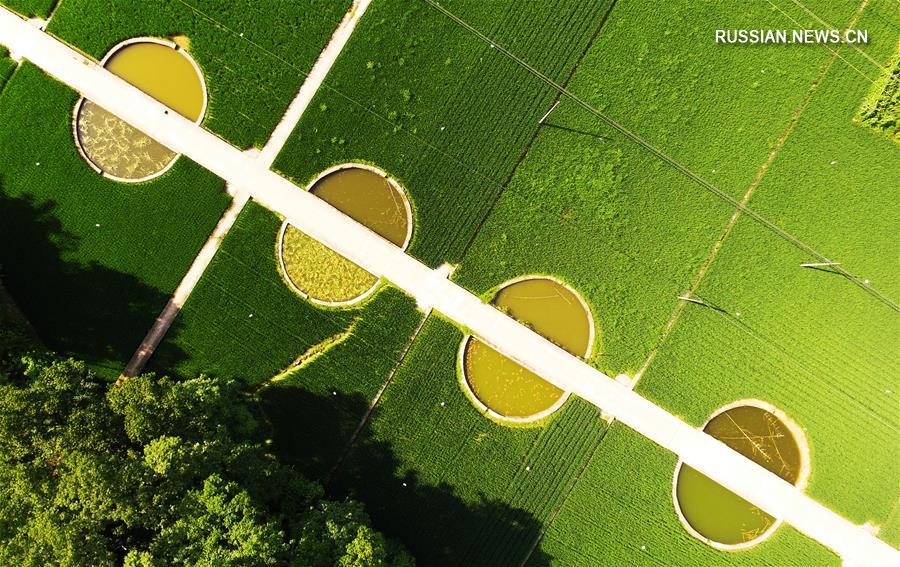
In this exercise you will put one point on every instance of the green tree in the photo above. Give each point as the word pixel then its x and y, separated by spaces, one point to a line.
pixel 158 471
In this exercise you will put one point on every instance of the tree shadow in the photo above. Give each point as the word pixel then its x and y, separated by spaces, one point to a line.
pixel 88 311
pixel 311 431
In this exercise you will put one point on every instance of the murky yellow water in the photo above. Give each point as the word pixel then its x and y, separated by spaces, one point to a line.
pixel 503 385
pixel 366 197
pixel 718 514
pixel 369 199
pixel 116 147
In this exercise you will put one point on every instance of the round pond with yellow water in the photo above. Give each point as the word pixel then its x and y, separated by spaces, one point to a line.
pixel 164 72
pixel 367 196
pixel 503 387
pixel 717 515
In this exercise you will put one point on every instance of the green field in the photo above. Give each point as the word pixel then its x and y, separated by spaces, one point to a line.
pixel 457 487
pixel 831 364
pixel 243 321
pixel 7 66
pixel 103 257
pixel 90 261
pixel 621 513
pixel 456 122
pixel 32 8
pixel 438 110
pixel 254 55
pixel 628 232
pixel 825 362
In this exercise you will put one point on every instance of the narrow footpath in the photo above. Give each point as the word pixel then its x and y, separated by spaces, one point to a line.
pixel 266 157
pixel 313 81
pixel 431 289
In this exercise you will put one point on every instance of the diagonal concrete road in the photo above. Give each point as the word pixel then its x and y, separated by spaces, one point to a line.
pixel 352 240
pixel 266 157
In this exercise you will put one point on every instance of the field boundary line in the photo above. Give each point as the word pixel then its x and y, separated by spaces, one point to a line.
pixel 537 130
pixel 432 289
pixel 672 162
pixel 729 226
pixel 348 448
pixel 312 83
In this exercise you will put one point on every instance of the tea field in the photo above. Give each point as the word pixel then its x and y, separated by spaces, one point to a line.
pixel 630 233
pixel 367 399
pixel 254 55
pixel 7 66
pixel 458 487
pixel 621 513
pixel 808 341
pixel 439 110
pixel 90 261
pixel 316 370
pixel 32 8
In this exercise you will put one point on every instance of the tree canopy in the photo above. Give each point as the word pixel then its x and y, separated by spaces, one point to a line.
pixel 157 471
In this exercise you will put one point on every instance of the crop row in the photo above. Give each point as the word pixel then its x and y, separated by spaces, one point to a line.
pixel 7 66
pixel 243 321
pixel 90 261
pixel 31 8
pixel 594 208
pixel 630 233
pixel 789 336
pixel 621 512
pixel 456 486
pixel 438 108
pixel 810 341
pixel 254 55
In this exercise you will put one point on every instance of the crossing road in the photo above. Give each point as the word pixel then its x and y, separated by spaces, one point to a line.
pixel 433 291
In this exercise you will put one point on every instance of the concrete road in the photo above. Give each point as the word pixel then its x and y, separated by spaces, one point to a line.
pixel 354 241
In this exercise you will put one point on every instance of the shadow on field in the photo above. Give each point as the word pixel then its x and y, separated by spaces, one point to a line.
pixel 576 131
pixel 87 311
pixel 311 431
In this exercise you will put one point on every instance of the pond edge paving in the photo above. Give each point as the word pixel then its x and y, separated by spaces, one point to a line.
pixel 802 482
pixel 112 51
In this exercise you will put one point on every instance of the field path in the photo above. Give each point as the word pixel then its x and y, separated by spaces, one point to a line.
pixel 313 81
pixel 162 323
pixel 432 289
pixel 266 157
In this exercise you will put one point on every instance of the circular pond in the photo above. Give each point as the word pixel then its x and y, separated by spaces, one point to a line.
pixel 762 433
pixel 369 197
pixel 163 71
pixel 505 389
